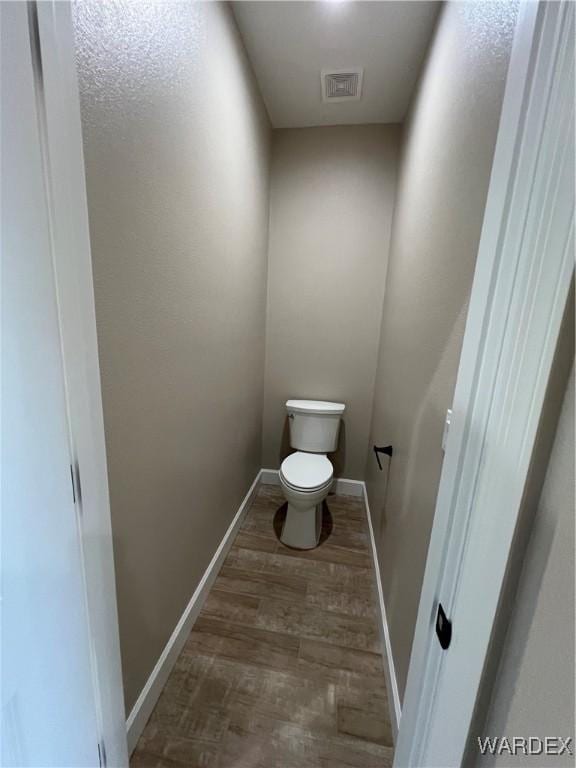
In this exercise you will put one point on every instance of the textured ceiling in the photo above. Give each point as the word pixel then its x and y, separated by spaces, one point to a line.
pixel 290 42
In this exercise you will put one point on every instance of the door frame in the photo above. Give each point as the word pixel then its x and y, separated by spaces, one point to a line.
pixel 52 36
pixel 497 403
pixel 521 284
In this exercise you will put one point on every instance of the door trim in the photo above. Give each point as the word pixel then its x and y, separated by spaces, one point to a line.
pixel 75 296
pixel 521 284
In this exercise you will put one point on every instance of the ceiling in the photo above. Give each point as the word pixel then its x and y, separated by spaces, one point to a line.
pixel 290 42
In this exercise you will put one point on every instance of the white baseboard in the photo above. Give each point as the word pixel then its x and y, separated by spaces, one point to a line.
pixel 345 487
pixel 342 485
pixel 391 681
pixel 269 477
pixel 149 695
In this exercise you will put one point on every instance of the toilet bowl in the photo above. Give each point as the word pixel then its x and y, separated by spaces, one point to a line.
pixel 306 479
pixel 306 475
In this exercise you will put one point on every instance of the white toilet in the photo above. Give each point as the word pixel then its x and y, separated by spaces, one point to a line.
pixel 306 476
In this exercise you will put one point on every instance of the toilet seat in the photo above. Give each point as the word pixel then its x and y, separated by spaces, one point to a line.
pixel 306 472
pixel 304 491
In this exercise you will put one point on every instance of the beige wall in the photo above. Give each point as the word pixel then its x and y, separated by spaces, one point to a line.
pixel 534 691
pixel 177 146
pixel 442 185
pixel 332 197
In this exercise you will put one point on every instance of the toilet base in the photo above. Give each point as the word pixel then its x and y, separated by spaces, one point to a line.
pixel 302 526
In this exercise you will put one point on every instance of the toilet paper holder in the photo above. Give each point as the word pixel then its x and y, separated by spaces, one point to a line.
pixel 387 449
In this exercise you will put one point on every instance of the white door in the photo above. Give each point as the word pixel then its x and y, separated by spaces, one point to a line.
pixel 523 274
pixel 48 703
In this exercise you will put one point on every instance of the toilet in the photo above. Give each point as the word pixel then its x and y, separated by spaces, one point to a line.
pixel 306 475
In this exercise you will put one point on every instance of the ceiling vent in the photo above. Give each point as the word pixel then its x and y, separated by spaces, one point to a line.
pixel 341 84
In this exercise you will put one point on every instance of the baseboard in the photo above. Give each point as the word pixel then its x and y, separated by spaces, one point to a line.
pixel 391 681
pixel 342 485
pixel 146 702
pixel 269 477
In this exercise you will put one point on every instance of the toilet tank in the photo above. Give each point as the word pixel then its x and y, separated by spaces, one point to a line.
pixel 314 425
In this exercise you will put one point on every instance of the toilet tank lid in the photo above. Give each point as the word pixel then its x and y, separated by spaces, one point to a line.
pixel 315 406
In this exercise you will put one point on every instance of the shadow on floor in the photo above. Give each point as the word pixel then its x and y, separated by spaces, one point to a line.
pixel 327 523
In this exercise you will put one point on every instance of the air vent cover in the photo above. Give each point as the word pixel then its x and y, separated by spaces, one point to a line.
pixel 341 84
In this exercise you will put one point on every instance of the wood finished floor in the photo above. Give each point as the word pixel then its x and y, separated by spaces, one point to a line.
pixel 281 669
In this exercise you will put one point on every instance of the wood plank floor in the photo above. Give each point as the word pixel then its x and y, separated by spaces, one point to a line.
pixel 281 669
